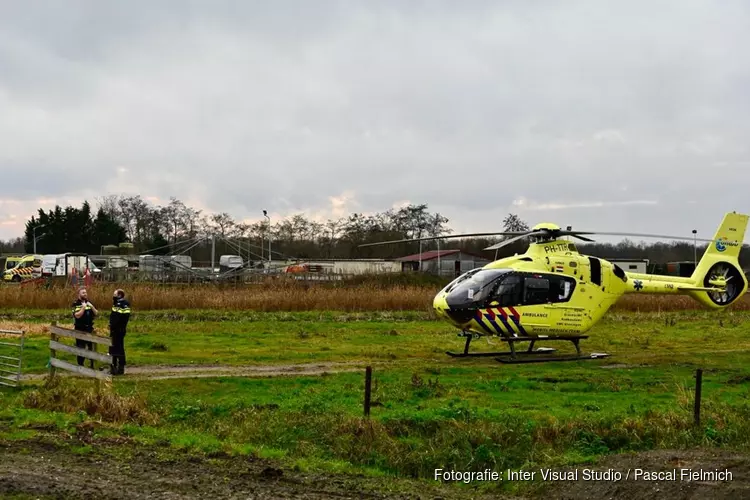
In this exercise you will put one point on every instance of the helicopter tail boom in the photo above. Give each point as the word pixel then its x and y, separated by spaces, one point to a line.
pixel 717 280
pixel 719 266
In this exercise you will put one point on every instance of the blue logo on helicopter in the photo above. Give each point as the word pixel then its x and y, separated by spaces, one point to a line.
pixel 720 245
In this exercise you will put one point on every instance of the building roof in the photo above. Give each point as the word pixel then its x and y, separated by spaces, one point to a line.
pixel 433 254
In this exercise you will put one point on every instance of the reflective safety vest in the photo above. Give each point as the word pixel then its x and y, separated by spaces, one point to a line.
pixel 85 322
pixel 120 314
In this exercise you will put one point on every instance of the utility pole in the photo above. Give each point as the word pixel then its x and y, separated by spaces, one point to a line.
pixel 35 238
pixel 440 269
pixel 213 253
pixel 420 256
pixel 265 214
pixel 695 248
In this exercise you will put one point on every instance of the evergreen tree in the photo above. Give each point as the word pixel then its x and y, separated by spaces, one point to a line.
pixel 72 230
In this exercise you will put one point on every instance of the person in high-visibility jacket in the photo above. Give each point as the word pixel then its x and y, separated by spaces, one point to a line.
pixel 83 320
pixel 118 322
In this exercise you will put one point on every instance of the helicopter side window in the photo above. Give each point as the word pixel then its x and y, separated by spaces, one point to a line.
pixel 536 291
pixel 473 289
pixel 508 292
pixel 461 278
pixel 561 288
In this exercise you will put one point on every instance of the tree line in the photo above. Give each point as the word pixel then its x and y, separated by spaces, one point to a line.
pixel 178 228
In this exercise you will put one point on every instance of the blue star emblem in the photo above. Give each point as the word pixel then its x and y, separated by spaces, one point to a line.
pixel 638 285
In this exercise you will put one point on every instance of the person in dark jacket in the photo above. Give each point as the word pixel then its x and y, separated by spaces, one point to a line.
pixel 84 313
pixel 118 322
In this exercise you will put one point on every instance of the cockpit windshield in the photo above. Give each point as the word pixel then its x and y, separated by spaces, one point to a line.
pixel 473 287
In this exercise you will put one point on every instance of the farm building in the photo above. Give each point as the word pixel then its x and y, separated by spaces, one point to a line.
pixel 631 265
pixel 452 262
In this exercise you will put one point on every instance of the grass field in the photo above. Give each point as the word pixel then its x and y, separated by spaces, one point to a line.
pixel 431 411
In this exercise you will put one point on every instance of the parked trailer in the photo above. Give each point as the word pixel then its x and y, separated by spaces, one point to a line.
pixel 345 267
pixel 63 264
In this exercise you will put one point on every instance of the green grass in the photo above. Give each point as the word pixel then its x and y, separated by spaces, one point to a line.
pixel 205 337
pixel 431 411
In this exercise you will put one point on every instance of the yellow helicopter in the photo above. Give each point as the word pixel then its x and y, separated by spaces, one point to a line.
pixel 552 292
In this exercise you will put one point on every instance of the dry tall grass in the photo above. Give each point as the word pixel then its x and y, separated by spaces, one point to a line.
pixel 68 396
pixel 284 297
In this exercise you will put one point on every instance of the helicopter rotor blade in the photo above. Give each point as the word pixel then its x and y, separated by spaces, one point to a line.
pixel 555 233
pixel 583 238
pixel 640 235
pixel 450 236
pixel 512 240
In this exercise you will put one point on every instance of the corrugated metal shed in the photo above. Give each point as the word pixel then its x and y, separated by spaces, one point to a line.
pixel 452 262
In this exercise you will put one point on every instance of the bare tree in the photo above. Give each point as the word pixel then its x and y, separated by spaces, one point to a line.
pixel 221 223
pixel 110 204
pixel 514 223
pixel 175 216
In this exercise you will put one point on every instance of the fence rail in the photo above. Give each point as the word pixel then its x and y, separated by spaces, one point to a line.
pixel 10 364
pixel 57 334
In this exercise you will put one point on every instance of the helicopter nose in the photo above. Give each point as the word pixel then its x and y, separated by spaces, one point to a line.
pixel 440 305
pixel 457 317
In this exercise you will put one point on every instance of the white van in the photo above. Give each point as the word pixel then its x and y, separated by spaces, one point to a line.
pixel 49 264
pixel 61 264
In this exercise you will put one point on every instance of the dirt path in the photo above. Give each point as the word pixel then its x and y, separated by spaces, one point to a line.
pixel 157 372
pixel 43 471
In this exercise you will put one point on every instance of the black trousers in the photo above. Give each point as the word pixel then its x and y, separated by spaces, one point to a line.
pixel 117 350
pixel 84 344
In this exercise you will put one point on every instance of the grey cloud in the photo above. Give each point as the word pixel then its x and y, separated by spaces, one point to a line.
pixel 242 106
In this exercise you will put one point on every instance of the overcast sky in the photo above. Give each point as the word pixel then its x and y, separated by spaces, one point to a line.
pixel 620 116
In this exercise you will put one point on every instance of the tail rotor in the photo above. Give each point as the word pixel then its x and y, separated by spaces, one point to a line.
pixel 728 277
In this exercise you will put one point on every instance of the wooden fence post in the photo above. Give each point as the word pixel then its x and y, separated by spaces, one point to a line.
pixel 698 384
pixel 368 389
pixel 57 334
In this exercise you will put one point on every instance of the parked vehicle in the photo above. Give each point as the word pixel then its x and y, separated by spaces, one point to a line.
pixel 27 268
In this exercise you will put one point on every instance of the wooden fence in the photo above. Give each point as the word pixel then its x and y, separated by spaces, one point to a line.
pixel 10 366
pixel 57 334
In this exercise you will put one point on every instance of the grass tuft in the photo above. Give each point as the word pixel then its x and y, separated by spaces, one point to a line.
pixel 71 396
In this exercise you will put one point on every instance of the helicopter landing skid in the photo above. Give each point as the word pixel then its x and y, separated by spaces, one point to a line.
pixel 574 357
pixel 529 351
pixel 514 356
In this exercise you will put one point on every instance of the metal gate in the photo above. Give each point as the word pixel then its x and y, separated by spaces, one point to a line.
pixel 11 353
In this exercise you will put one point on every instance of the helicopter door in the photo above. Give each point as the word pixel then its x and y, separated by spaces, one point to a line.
pixel 596 271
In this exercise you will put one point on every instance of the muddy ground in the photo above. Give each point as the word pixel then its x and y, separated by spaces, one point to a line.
pixel 707 460
pixel 45 470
